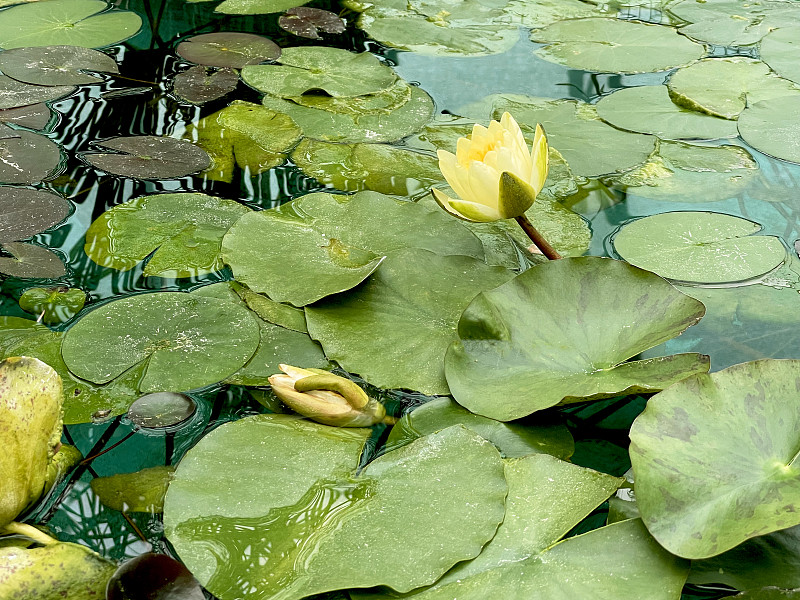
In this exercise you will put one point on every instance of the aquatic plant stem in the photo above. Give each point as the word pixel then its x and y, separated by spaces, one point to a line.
pixel 537 238
pixel 29 531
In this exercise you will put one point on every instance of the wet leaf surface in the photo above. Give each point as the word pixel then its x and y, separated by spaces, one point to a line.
pixel 149 157
pixel 31 262
pixel 161 409
pixel 14 93
pixel 54 304
pixel 25 212
pixel 26 157
pixel 34 116
pixel 140 491
pixel 308 22
pixel 196 86
pixel 228 49
pixel 56 65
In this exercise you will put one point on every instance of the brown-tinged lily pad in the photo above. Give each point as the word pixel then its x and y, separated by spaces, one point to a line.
pixel 149 157
pixel 26 157
pixel 308 22
pixel 25 212
pixel 196 86
pixel 56 65
pixel 228 49
pixel 31 262
pixel 154 577
pixel 14 93
pixel 34 116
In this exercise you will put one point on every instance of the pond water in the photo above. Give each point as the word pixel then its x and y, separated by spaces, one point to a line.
pixel 747 318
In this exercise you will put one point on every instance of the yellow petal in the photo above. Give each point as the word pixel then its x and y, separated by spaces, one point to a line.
pixel 472 211
pixel 454 173
pixel 483 182
pixel 540 160
pixel 445 201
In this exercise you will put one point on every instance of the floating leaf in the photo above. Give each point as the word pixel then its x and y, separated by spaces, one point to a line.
pixel 31 262
pixel 699 247
pixel 257 7
pixel 84 23
pixel 185 230
pixel 542 13
pixel 379 103
pixel 770 126
pixel 545 338
pixel 513 440
pixel 35 116
pixel 308 22
pixel 154 577
pixel 26 157
pixel 724 86
pixel 321 244
pixel 228 49
pixel 248 135
pixel 195 86
pixel 186 341
pixel 148 157
pixel 383 517
pixel 55 304
pixel 142 491
pixel 273 312
pixel 395 328
pixel 649 109
pixel 780 49
pixel 750 440
pixel 14 93
pixel 615 46
pixel 769 593
pixel 56 65
pixel 25 212
pixel 161 409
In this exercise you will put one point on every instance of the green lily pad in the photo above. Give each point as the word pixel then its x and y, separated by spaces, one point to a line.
pixel 186 341
pixel 322 244
pixel 85 23
pixel 30 431
pixel 14 93
pixel 25 212
pixel 141 491
pixel 229 49
pixel 379 103
pixel 354 167
pixel 54 572
pixel 649 109
pixel 308 22
pixel 270 311
pixel 257 7
pixel 34 116
pixel 780 49
pixel 382 517
pixel 542 13
pixel 195 86
pixel 29 261
pixel 337 72
pixel 26 157
pixel 55 304
pixel 770 126
pixel 185 231
pixel 329 126
pixel 246 135
pixel 56 65
pixel 722 87
pixel 699 247
pixel 148 157
pixel 590 146
pixel 395 329
pixel 546 337
pixel 615 46
pixel 513 440
pixel 750 440
pixel 769 593
pixel 691 173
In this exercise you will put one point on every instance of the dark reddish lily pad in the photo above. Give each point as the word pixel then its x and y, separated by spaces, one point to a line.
pixel 35 116
pixel 149 157
pixel 308 22
pixel 195 86
pixel 228 49
pixel 31 262
pixel 25 212
pixel 55 65
pixel 153 577
pixel 161 409
pixel 14 93
pixel 26 157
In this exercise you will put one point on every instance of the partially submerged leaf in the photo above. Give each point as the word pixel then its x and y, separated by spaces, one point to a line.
pixel 56 65
pixel 54 304
pixel 308 22
pixel 229 49
pixel 198 87
pixel 148 157
pixel 141 491
pixel 31 262
pixel 25 212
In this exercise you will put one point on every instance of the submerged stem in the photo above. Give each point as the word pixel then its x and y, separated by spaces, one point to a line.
pixel 29 531
pixel 537 238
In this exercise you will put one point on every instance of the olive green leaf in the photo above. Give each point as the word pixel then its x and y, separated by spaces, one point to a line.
pixel 55 304
pixel 26 157
pixel 542 13
pixel 186 341
pixel 29 261
pixel 141 491
pixel 30 431
pixel 769 593
pixel 14 93
pixel 229 49
pixel 33 116
pixel 743 417
pixel 195 86
pixel 699 247
pixel 780 49
pixel 267 309
pixel 185 231
pixel 85 23
pixel 395 328
pixel 256 7
pixel 56 65
pixel 546 337
pixel 25 212
pixel 382 517
pixel 768 126
pixel 148 157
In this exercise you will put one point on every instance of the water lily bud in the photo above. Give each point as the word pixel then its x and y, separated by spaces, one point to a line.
pixel 474 171
pixel 326 398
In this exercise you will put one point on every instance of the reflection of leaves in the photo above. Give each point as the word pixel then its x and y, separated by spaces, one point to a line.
pixel 308 22
pixel 197 87
pixel 30 261
pixel 55 65
pixel 25 212
pixel 228 49
pixel 149 157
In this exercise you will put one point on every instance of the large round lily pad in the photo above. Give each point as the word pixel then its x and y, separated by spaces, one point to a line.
pixel 395 329
pixel 185 231
pixel 745 419
pixel 14 93
pixel 26 157
pixel 699 247
pixel 548 337
pixel 615 46
pixel 771 127
pixel 321 244
pixel 148 157
pixel 228 49
pixel 780 49
pixel 85 23
pixel 25 212
pixel 198 87
pixel 56 65
pixel 312 525
pixel 31 261
pixel 187 341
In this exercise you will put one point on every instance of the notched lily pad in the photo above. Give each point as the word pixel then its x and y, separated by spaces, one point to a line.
pixel 308 22
pixel 141 491
pixel 54 304
pixel 31 262
pixel 56 65
pixel 26 157
pixel 161 409
pixel 25 212
pixel 148 157
pixel 229 49
pixel 196 86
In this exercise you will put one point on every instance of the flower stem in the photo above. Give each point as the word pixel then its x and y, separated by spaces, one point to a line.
pixel 28 531
pixel 537 238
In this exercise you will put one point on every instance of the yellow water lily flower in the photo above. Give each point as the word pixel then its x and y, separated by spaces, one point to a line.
pixel 475 170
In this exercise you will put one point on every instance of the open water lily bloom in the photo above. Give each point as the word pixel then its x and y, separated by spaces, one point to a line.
pixel 475 169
